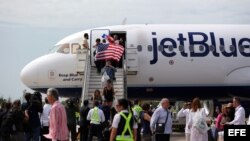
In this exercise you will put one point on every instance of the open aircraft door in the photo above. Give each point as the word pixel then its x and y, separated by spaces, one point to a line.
pixel 94 34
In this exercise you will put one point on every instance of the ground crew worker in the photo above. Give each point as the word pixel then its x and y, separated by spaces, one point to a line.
pixel 137 113
pixel 124 127
pixel 96 117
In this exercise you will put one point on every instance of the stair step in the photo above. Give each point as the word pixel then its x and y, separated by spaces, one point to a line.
pixel 95 83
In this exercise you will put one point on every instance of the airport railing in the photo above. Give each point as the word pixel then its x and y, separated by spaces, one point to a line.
pixel 125 77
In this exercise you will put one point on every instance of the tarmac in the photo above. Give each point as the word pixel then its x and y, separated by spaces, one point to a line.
pixel 177 136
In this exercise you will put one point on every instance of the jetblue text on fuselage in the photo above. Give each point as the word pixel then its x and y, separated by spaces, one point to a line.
pixel 213 46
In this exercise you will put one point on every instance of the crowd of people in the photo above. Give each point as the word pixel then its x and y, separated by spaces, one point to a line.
pixel 53 121
pixel 230 114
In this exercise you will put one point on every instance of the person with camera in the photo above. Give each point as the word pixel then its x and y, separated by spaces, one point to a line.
pixel 161 122
pixel 71 117
pixel 32 108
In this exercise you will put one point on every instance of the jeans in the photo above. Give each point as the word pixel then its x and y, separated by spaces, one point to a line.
pixel 33 135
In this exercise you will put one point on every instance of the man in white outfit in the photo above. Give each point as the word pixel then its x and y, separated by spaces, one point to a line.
pixel 45 119
pixel 184 112
pixel 239 116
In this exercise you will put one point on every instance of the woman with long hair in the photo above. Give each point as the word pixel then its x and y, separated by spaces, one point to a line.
pixel 97 96
pixel 197 122
pixel 109 93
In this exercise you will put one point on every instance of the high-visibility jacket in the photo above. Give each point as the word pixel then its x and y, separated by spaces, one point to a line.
pixel 95 116
pixel 127 127
pixel 137 109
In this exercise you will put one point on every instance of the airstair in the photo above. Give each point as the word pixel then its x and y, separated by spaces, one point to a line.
pixel 92 79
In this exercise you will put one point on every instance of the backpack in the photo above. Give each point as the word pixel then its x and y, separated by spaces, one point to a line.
pixel 200 122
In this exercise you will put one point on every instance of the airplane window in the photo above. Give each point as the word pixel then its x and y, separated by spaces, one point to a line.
pixel 150 48
pixel 170 48
pixel 241 48
pixel 191 48
pixel 139 48
pixel 201 48
pixel 232 48
pixel 54 49
pixel 74 48
pixel 160 47
pixel 181 48
pixel 64 48
pixel 211 48
pixel 222 48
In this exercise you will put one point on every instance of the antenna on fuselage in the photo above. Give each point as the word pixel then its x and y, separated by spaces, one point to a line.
pixel 124 22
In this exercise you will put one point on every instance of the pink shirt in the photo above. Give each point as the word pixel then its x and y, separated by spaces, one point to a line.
pixel 58 129
pixel 218 122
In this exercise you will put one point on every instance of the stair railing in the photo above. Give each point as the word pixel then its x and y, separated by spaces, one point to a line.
pixel 86 79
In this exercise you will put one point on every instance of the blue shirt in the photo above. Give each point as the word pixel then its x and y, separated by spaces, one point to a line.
pixel 159 116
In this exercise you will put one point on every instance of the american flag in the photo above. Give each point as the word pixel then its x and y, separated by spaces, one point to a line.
pixel 109 51
pixel 102 47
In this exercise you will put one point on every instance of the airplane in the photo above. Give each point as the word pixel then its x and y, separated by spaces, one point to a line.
pixel 174 61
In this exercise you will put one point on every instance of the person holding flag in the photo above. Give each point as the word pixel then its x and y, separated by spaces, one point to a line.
pixel 100 47
pixel 110 51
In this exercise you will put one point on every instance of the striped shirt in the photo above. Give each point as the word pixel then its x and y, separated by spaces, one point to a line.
pixel 58 129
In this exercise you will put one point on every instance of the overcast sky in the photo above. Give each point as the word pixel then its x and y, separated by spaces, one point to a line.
pixel 29 28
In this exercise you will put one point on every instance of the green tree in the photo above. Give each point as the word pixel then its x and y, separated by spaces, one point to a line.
pixel 2 100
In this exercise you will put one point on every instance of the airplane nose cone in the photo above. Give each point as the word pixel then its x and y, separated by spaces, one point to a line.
pixel 29 74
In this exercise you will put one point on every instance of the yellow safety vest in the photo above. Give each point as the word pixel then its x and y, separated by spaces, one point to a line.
pixel 95 116
pixel 127 127
pixel 138 110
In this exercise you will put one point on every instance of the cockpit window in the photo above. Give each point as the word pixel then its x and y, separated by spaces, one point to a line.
pixel 64 48
pixel 74 47
pixel 54 49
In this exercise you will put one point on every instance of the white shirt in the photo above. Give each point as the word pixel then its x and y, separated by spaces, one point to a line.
pixel 117 119
pixel 248 123
pixel 100 113
pixel 45 115
pixel 239 116
pixel 192 116
pixel 85 42
pixel 184 113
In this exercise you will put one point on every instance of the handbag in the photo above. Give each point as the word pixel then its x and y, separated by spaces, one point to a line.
pixel 160 127
pixel 200 123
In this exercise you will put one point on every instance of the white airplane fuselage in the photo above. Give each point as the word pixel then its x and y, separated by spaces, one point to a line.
pixel 179 61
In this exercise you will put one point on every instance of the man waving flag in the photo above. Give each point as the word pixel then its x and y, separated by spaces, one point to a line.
pixel 110 51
